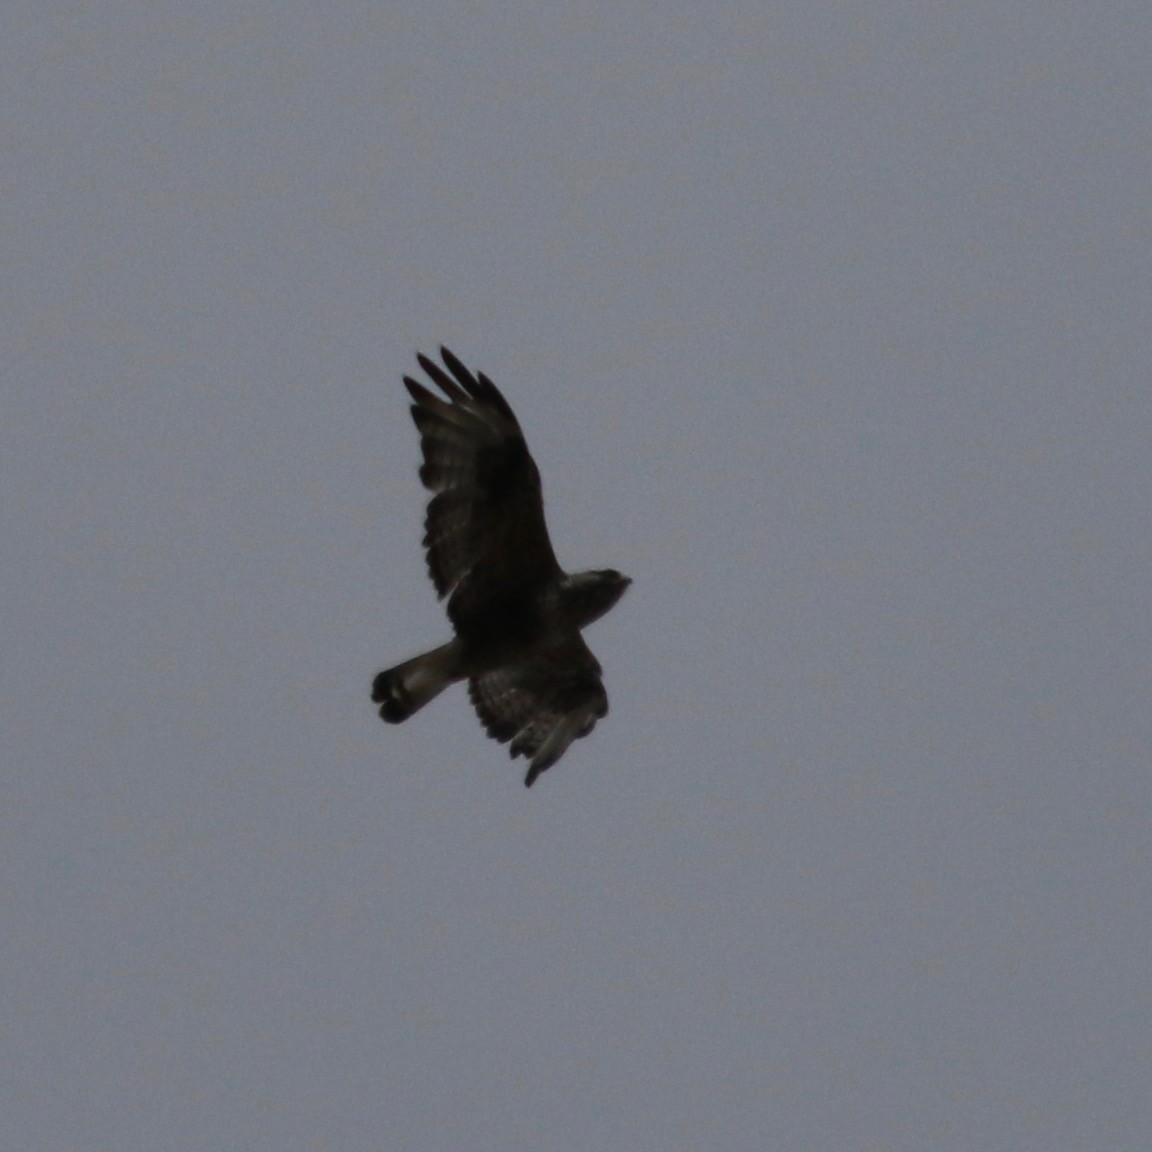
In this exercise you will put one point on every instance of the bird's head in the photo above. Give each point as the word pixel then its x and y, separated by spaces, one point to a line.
pixel 591 594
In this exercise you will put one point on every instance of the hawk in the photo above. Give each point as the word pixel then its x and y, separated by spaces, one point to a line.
pixel 516 613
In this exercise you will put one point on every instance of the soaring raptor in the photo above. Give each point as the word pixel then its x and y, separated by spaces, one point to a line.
pixel 516 613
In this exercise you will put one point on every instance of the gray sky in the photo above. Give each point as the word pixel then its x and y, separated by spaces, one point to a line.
pixel 829 324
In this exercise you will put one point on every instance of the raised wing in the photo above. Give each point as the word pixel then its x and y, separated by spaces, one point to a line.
pixel 542 703
pixel 485 525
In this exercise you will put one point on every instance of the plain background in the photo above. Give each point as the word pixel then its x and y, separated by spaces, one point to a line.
pixel 829 323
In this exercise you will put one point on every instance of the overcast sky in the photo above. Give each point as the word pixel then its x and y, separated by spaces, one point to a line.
pixel 827 323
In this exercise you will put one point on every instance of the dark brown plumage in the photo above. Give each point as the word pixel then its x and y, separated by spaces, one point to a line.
pixel 516 614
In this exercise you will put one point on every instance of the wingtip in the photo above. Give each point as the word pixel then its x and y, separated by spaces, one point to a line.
pixel 456 366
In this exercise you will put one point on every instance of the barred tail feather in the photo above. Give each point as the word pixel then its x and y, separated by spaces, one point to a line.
pixel 405 689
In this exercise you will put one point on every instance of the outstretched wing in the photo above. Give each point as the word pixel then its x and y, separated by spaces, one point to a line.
pixel 485 527
pixel 542 703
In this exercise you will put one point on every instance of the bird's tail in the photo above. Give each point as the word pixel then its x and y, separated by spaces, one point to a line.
pixel 405 689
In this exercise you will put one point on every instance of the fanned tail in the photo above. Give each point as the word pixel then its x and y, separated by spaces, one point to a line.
pixel 405 689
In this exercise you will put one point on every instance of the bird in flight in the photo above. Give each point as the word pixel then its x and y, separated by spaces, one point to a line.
pixel 516 613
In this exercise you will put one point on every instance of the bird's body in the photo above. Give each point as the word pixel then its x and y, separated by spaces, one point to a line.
pixel 516 614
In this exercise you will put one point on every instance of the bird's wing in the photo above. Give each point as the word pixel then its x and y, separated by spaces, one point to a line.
pixel 485 525
pixel 543 702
